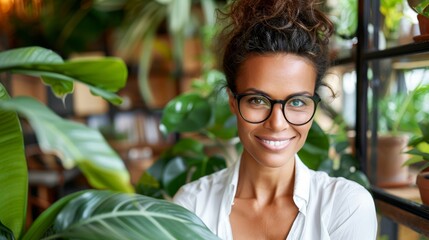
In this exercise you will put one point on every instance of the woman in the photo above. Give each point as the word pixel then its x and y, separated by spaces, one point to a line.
pixel 274 60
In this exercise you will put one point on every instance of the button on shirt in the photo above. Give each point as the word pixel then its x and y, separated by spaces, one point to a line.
pixel 329 208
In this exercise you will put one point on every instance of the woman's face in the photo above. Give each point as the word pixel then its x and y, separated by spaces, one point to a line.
pixel 274 142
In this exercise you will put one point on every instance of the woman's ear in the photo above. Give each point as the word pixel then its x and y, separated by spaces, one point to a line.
pixel 232 102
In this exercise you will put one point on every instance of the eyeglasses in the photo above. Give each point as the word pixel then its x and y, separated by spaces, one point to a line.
pixel 297 109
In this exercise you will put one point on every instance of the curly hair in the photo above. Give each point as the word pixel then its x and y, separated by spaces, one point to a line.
pixel 274 26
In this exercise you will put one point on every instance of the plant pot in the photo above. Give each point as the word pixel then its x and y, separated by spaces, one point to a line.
pixel 390 159
pixel 424 29
pixel 422 183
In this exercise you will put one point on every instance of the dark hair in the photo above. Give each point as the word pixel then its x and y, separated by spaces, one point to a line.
pixel 274 26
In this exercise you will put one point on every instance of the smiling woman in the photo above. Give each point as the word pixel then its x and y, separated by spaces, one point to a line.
pixel 274 57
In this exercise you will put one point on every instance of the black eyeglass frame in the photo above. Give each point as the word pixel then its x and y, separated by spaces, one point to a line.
pixel 316 99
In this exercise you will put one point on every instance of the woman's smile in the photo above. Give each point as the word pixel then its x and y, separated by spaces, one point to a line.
pixel 274 144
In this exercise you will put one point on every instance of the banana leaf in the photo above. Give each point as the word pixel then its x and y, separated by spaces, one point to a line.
pixel 13 170
pixel 96 214
pixel 74 143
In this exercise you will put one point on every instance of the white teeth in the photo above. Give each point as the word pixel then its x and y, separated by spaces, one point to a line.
pixel 275 143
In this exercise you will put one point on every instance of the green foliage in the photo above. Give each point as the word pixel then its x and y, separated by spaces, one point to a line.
pixel 13 163
pixel 422 8
pixel 143 19
pixel 392 11
pixel 316 149
pixel 95 214
pixel 419 146
pixel 203 112
pixel 345 18
pixel 402 112
pixel 73 143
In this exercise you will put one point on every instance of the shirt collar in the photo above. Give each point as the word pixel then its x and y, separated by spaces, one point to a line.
pixel 231 189
pixel 301 192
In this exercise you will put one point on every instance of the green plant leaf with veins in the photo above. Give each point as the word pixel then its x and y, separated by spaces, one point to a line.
pixel 108 215
pixel 74 143
pixel 13 174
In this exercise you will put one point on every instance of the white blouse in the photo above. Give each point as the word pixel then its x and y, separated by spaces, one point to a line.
pixel 329 208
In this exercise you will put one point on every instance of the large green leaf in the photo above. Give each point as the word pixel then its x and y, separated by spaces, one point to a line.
pixel 74 143
pixel 26 56
pixel 108 215
pixel 186 113
pixel 13 170
pixel 47 218
pixel 102 75
pixel 6 233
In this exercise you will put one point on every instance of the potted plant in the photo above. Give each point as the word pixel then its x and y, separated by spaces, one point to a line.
pixel 398 119
pixel 419 147
pixel 422 10
pixel 100 214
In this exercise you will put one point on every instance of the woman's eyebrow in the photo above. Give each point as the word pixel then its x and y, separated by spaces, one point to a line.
pixel 254 90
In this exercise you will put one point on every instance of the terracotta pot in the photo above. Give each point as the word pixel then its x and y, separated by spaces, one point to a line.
pixel 390 159
pixel 422 182
pixel 423 24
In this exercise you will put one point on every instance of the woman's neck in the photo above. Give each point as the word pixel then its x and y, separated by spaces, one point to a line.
pixel 265 184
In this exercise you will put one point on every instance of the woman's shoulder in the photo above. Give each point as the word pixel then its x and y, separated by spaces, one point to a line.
pixel 202 188
pixel 347 207
pixel 323 181
pixel 338 189
pixel 201 184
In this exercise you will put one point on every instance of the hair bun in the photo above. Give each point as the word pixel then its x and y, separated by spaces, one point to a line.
pixel 279 14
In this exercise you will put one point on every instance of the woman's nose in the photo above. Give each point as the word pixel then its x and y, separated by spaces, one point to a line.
pixel 277 120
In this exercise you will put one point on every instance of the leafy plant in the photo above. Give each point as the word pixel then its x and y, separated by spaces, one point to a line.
pixel 74 143
pixel 93 214
pixel 203 114
pixel 419 146
pixel 82 214
pixel 402 112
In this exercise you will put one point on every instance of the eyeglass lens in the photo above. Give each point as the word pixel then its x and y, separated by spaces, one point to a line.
pixel 256 108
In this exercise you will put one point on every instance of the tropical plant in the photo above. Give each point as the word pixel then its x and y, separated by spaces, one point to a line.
pixel 104 214
pixel 144 19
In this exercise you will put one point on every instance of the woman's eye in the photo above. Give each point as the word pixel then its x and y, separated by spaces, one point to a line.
pixel 297 102
pixel 258 101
